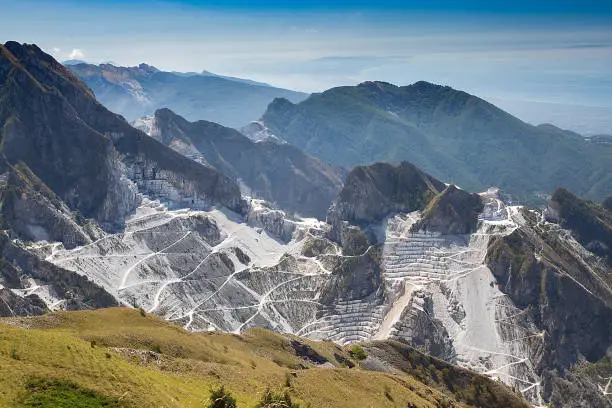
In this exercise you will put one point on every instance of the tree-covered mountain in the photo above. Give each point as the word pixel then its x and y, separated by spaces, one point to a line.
pixel 279 173
pixel 138 91
pixel 451 134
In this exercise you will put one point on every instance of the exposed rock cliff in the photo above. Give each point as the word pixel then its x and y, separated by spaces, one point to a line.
pixel 51 121
pixel 31 211
pixel 590 223
pixel 556 283
pixel 31 285
pixel 453 211
pixel 371 193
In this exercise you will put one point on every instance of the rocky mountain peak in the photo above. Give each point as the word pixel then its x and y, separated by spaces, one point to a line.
pixel 453 211
pixel 147 68
pixel 370 193
pixel 91 158
pixel 377 85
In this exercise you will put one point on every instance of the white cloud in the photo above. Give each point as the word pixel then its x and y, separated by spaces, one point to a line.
pixel 76 54
pixel 56 50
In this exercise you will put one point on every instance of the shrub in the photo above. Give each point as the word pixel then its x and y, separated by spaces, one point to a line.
pixel 358 353
pixel 14 353
pixel 220 398
pixel 388 393
pixel 52 393
pixel 272 400
pixel 287 380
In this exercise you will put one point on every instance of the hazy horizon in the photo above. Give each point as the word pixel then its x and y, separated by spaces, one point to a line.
pixel 552 53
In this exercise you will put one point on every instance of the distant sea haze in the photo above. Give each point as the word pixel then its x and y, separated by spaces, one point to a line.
pixel 586 120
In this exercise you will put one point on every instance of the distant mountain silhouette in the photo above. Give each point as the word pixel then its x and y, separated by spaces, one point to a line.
pixel 450 134
pixel 138 91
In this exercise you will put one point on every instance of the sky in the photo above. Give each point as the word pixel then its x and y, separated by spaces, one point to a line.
pixel 553 52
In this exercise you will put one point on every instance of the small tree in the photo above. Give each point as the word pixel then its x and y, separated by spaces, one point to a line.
pixel 272 400
pixel 358 353
pixel 220 398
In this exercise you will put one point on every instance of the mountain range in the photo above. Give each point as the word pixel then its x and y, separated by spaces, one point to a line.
pixel 450 134
pixel 276 172
pixel 138 91
pixel 435 295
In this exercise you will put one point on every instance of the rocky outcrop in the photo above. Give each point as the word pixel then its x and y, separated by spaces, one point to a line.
pixel 555 283
pixel 37 286
pixel 31 211
pixel 354 278
pixel 371 193
pixel 453 211
pixel 590 223
pixel 15 305
pixel 419 327
pixel 273 221
pixel 258 132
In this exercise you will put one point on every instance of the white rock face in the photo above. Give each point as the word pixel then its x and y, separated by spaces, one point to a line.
pixel 482 323
pixel 213 270
pixel 44 292
pixel 258 132
pixel 208 270
pixel 145 124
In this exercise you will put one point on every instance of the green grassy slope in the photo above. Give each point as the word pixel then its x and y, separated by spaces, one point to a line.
pixel 122 358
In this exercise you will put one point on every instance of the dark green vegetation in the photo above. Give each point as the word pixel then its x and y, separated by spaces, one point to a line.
pixel 118 358
pixel 221 398
pixel 358 353
pixel 273 400
pixel 278 173
pixel 450 134
pixel 137 91
pixel 590 223
pixel 45 393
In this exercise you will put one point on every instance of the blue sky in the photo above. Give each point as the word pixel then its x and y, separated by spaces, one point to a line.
pixel 547 51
